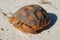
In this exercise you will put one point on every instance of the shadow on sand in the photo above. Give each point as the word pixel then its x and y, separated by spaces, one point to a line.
pixel 53 18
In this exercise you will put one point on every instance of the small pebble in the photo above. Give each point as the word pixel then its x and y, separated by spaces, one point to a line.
pixel 7 29
pixel 4 14
pixel 2 29
pixel 48 31
pixel 45 2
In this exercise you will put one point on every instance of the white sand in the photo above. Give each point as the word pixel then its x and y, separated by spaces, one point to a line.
pixel 12 6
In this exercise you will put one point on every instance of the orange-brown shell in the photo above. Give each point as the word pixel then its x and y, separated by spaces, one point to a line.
pixel 34 16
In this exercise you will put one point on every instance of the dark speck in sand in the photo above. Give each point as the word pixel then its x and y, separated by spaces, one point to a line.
pixel 48 31
pixel 2 29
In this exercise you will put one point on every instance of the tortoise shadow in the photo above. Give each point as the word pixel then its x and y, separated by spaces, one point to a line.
pixel 53 18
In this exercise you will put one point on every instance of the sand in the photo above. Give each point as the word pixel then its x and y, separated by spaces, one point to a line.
pixel 51 32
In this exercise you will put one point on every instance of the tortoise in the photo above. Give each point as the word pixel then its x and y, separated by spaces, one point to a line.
pixel 30 18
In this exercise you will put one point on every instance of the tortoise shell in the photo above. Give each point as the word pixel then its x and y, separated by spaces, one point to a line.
pixel 30 18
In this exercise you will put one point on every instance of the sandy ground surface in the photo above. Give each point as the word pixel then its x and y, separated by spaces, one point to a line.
pixel 8 32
